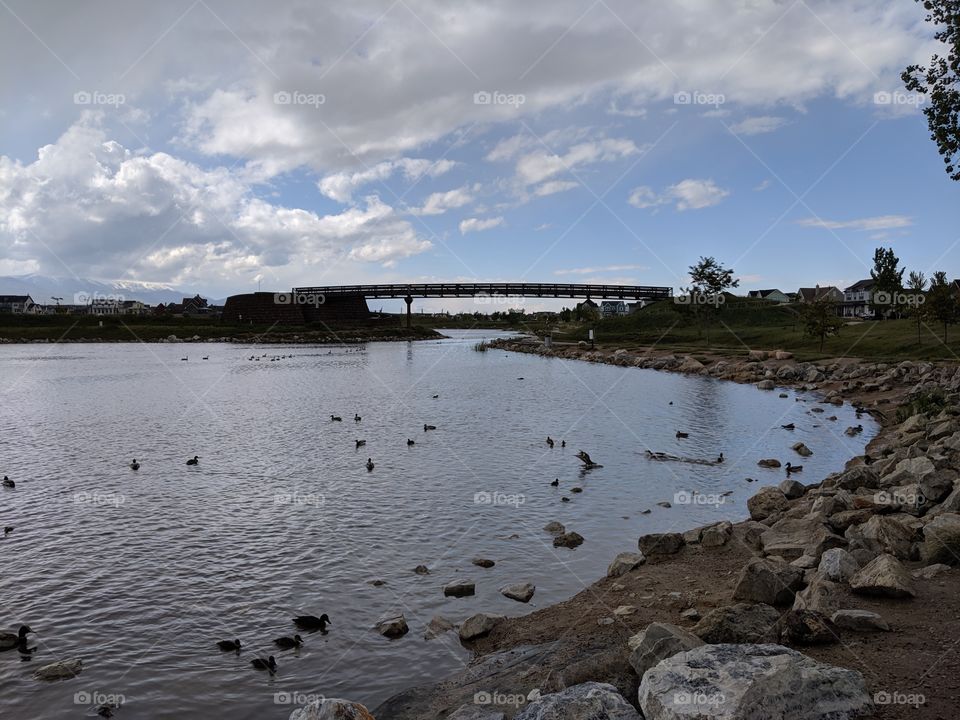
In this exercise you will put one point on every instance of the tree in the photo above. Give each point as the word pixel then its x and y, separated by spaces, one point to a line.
pixel 820 319
pixel 917 283
pixel 887 277
pixel 941 305
pixel 709 280
pixel 940 81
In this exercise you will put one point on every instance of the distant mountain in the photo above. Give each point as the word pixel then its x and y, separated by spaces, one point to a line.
pixel 79 291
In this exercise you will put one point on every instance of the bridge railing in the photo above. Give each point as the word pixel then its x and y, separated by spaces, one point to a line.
pixel 555 290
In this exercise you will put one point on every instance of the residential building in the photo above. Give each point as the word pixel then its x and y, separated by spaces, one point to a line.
pixel 771 295
pixel 102 307
pixel 857 300
pixel 828 292
pixel 613 308
pixel 17 304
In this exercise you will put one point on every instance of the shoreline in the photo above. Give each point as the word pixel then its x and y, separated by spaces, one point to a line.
pixel 587 638
pixel 299 336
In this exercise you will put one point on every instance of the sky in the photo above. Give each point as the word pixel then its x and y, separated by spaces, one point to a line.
pixel 231 145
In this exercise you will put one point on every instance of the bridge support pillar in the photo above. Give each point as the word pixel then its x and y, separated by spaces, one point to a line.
pixel 409 301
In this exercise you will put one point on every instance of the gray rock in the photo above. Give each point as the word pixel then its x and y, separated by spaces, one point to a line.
pixel 554 528
pixel 768 501
pixel 625 562
pixel 63 670
pixel 859 621
pixel 801 449
pixel 657 642
pixel 717 534
pixel 483 562
pixel 766 385
pixel 437 626
pixel 807 627
pixel 820 595
pixel 838 565
pixel 740 623
pixel 421 570
pixel 883 534
pixel 792 537
pixel 750 682
pixel 472 711
pixel 768 581
pixel 392 626
pixel 568 540
pixel 769 463
pixel 521 592
pixel 587 701
pixel 660 543
pixel 911 470
pixel 478 625
pixel 930 571
pixel 460 588
pixel 884 576
pixel 332 709
pixel 792 489
pixel 941 540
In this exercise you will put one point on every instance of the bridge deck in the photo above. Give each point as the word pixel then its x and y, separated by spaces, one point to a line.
pixel 553 290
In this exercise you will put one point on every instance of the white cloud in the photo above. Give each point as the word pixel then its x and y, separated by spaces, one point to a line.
pixel 645 197
pixel 762 185
pixel 758 125
pixel 690 194
pixel 341 186
pixel 599 270
pixel 879 222
pixel 554 186
pixel 439 202
pixel 541 165
pixel 477 225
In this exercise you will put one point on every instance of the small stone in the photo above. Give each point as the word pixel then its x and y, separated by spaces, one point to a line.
pixel 664 504
pixel 421 570
pixel 483 562
pixel 392 626
pixel 568 540
pixel 460 588
pixel 860 621
pixel 801 449
pixel 691 614
pixel 521 592
pixel 437 626
pixel 554 528
pixel 624 610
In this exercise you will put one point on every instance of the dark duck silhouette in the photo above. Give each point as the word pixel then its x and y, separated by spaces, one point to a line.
pixel 682 434
pixel 361 443
pixel 555 483
pixel 8 483
pixel 9 640
pixel 794 468
pixel 410 442
pixel 195 460
pixel 563 443
pixel 549 441
pixel 268 664
pixel 357 418
pixel 134 465
pixel 370 465
pixel 311 622
pixel 429 427
pixel 790 426
pixel 7 530
pixel 586 460
pixel 288 642
pixel 229 645
pixel 336 418
pixel 720 458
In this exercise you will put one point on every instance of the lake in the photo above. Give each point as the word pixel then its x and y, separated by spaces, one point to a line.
pixel 141 572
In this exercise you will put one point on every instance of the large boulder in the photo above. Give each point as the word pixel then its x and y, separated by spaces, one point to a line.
pixel 768 581
pixel 568 540
pixel 587 701
pixel 820 595
pixel 62 670
pixel 807 627
pixel 883 534
pixel 838 565
pixel 716 534
pixel 792 537
pixel 392 626
pixel 911 470
pixel 750 682
pixel 661 543
pixel 768 501
pixel 657 642
pixel 521 592
pixel 625 562
pixel 791 488
pixel 478 625
pixel 884 576
pixel 740 623
pixel 332 709
pixel 856 477
pixel 941 540
pixel 460 588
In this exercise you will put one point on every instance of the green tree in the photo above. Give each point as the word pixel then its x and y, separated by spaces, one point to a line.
pixel 916 284
pixel 940 81
pixel 888 279
pixel 821 319
pixel 709 281
pixel 941 305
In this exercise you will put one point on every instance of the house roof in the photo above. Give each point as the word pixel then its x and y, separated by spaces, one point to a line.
pixel 816 292
pixel 15 298
pixel 861 285
pixel 763 293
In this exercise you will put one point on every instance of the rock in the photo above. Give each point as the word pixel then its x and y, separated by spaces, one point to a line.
pixel 460 588
pixel 740 623
pixel 792 489
pixel 859 621
pixel 750 682
pixel 437 626
pixel 421 570
pixel 768 581
pixel 768 501
pixel 751 532
pixel 478 625
pixel 820 595
pixel 856 477
pixel 766 385
pixel 483 562
pixel 625 562
pixel 665 504
pixel 472 711
pixel 691 614
pixel 807 627
pixel 930 571
pixel 782 355
pixel 332 709
pixel 884 576
pixel 656 642
pixel 63 670
pixel 521 592
pixel 941 540
pixel 936 486
pixel 911 470
pixel 392 626
pixel 554 528
pixel 660 543
pixel 587 701
pixel 883 534
pixel 801 449
pixel 624 610
pixel 805 562
pixel 690 365
pixel 717 534
pixel 769 463
pixel 568 540
pixel 792 537
pixel 838 565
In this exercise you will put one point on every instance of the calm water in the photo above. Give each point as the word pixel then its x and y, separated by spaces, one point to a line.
pixel 139 573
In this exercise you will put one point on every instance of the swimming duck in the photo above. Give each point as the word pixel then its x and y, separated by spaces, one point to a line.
pixel 7 530
pixel 436 396
pixel 555 483
pixel 7 482
pixel 563 443
pixel 429 427
pixel 268 664
pixel 205 357
pixel 184 358
pixel 789 426
pixel 369 464
pixel 361 443
pixel 720 458
pixel 229 645
pixel 357 418
pixel 794 468
pixel 9 640
pixel 410 442
pixel 195 460
pixel 585 459
pixel 682 434
pixel 549 441
pixel 134 465
pixel 311 622
pixel 288 642
pixel 336 418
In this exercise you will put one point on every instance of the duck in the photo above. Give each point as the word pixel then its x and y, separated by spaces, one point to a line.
pixel 429 427
pixel 549 441
pixel 229 645
pixel 586 460
pixel 370 465
pixel 436 396
pixel 361 443
pixel 789 426
pixel 134 465
pixel 794 468
pixel 410 442
pixel 195 460
pixel 357 418
pixel 682 434
pixel 288 642
pixel 7 530
pixel 311 622
pixel 563 443
pixel 720 458
pixel 555 483
pixel 336 418
pixel 268 664
pixel 9 640
pixel 8 483
pixel 185 358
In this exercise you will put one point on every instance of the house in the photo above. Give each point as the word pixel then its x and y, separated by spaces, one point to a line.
pixel 771 295
pixel 133 307
pixel 194 306
pixel 828 292
pixel 857 300
pixel 17 304
pixel 104 306
pixel 613 308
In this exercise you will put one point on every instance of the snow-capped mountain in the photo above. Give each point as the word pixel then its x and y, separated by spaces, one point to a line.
pixel 80 291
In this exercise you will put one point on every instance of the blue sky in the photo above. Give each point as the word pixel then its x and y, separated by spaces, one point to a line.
pixel 216 145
